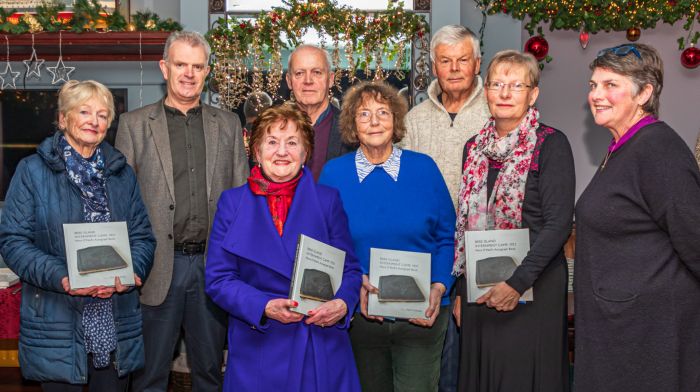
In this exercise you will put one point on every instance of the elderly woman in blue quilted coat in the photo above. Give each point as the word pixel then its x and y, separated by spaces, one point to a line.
pixel 70 337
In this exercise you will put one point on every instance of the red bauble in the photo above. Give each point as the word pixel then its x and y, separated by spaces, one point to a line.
pixel 690 58
pixel 538 47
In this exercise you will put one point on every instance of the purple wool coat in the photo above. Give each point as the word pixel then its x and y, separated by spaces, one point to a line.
pixel 248 264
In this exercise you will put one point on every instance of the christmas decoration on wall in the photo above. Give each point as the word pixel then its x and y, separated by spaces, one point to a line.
pixel 8 76
pixel 583 38
pixel 247 53
pixel 690 58
pixel 60 73
pixel 33 64
pixel 538 47
pixel 633 34
pixel 593 16
pixel 85 15
pixel 33 23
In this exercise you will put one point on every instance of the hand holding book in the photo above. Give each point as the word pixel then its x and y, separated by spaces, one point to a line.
pixel 501 297
pixel 99 291
pixel 436 292
pixel 328 313
pixel 365 290
pixel 279 309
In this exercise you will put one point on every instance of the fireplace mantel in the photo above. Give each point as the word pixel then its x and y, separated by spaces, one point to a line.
pixel 108 46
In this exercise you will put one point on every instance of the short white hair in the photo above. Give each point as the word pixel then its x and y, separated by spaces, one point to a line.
pixel 326 55
pixel 452 35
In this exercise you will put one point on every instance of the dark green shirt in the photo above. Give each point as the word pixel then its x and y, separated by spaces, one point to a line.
pixel 188 151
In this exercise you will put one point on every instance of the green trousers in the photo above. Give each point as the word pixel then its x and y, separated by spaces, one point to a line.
pixel 398 356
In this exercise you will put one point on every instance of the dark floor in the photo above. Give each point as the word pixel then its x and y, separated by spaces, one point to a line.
pixel 11 381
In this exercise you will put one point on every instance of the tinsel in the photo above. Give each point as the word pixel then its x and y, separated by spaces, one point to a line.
pixel 247 53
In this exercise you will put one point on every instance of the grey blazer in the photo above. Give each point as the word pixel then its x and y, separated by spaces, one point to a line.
pixel 143 138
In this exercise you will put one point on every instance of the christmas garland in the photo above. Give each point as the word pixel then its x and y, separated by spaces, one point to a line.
pixel 592 16
pixel 599 15
pixel 85 15
pixel 248 53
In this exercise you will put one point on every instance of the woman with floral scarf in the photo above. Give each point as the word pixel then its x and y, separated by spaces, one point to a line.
pixel 517 173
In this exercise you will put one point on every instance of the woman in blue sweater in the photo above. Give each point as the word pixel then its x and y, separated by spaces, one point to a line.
pixel 396 200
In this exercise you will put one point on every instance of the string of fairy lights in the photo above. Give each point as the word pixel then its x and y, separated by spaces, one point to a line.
pixel 592 16
pixel 248 58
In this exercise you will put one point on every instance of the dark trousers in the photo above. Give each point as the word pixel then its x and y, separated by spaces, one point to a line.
pixel 186 306
pixel 99 380
pixel 449 366
pixel 398 356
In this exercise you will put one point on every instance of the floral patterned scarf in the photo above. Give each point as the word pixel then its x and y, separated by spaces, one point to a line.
pixel 279 195
pixel 503 210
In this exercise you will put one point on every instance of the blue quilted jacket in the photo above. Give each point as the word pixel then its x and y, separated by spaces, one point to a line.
pixel 40 200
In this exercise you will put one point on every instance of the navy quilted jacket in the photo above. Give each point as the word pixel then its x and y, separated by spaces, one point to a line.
pixel 40 200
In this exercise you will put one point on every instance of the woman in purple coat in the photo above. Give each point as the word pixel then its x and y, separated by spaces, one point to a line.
pixel 250 262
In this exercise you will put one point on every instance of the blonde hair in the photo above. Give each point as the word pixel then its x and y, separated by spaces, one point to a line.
pixel 75 93
pixel 520 59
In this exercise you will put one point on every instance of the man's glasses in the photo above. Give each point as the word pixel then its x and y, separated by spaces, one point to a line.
pixel 365 116
pixel 621 50
pixel 516 87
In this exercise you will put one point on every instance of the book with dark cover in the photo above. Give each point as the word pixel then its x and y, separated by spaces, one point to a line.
pixel 492 256
pixel 318 273
pixel 316 285
pixel 99 258
pixel 403 280
pixel 399 288
pixel 98 253
pixel 492 270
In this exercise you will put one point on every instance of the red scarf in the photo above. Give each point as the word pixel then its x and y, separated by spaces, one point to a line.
pixel 279 195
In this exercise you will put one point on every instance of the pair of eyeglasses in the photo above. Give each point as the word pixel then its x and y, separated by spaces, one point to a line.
pixel 365 116
pixel 621 50
pixel 514 87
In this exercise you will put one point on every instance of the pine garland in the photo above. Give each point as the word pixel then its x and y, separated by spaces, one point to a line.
pixel 87 15
pixel 598 15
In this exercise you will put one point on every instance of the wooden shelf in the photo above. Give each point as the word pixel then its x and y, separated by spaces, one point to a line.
pixel 8 353
pixel 111 46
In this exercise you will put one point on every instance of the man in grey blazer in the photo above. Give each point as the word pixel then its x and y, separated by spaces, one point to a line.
pixel 185 153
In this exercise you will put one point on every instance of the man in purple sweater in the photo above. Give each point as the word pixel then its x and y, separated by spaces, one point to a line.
pixel 310 78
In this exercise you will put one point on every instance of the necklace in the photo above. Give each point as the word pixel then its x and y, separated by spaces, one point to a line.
pixel 605 161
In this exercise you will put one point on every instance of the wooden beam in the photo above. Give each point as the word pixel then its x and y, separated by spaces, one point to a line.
pixel 93 46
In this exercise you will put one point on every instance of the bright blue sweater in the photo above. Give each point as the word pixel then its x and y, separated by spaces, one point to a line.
pixel 413 214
